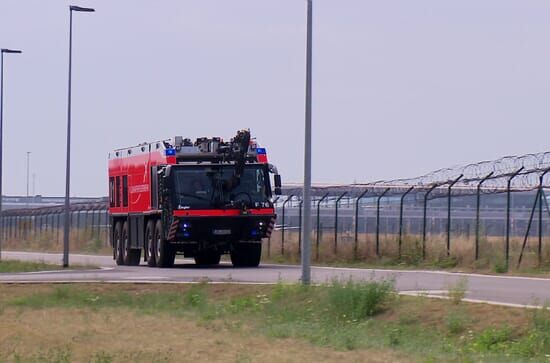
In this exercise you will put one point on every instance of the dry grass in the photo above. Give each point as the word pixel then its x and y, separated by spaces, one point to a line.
pixel 491 251
pixel 80 241
pixel 236 329
pixel 116 335
pixel 121 335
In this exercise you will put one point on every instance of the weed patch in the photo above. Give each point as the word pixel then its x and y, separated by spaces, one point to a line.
pixel 493 340
pixel 500 267
pixel 356 301
pixel 456 322
pixel 457 290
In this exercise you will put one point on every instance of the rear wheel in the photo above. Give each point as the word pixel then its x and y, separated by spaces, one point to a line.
pixel 117 244
pixel 130 256
pixel 150 244
pixel 208 258
pixel 246 254
pixel 164 254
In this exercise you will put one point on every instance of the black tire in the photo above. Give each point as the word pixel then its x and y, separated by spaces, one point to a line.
pixel 164 254
pixel 208 258
pixel 130 256
pixel 117 244
pixel 150 244
pixel 246 254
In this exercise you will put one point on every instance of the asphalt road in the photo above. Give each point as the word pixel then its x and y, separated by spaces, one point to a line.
pixel 502 290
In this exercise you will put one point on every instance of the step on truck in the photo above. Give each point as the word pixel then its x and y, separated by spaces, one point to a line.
pixel 199 199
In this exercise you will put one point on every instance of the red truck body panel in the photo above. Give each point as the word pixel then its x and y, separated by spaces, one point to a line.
pixel 130 174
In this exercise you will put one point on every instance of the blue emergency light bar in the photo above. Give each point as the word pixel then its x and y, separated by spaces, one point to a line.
pixel 261 151
pixel 170 152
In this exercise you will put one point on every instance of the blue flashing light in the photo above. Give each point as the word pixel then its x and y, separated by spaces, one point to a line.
pixel 261 151
pixel 186 234
pixel 254 232
pixel 170 152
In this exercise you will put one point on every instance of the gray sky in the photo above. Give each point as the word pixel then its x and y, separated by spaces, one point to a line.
pixel 400 87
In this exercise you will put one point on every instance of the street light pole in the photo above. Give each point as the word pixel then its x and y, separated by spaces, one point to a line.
pixel 66 226
pixel 306 195
pixel 28 162
pixel 2 51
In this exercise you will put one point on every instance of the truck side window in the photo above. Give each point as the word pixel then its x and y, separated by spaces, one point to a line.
pixel 117 190
pixel 125 191
pixel 112 191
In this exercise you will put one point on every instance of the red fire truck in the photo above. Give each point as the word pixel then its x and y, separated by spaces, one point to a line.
pixel 201 199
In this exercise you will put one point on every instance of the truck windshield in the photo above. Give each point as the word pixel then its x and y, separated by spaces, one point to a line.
pixel 202 186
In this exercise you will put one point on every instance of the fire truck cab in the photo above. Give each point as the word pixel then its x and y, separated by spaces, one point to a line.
pixel 199 199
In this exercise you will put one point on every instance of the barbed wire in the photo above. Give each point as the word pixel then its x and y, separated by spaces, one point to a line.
pixel 523 172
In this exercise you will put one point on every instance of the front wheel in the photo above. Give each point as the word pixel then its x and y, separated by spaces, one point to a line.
pixel 246 254
pixel 164 254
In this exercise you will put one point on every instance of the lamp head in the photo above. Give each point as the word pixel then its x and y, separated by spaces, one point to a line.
pixel 81 9
pixel 13 51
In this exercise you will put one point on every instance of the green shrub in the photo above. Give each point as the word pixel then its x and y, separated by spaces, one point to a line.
pixel 537 341
pixel 456 322
pixel 355 301
pixel 457 290
pixel 493 340
pixel 446 262
pixel 196 296
pixel 500 267
pixel 394 337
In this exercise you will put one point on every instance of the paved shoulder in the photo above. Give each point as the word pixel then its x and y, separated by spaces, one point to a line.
pixel 497 289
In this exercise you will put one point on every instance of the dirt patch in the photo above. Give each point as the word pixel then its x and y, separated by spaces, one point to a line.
pixel 433 314
pixel 119 336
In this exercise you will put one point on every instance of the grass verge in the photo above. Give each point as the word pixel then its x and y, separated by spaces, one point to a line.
pixel 346 320
pixel 25 266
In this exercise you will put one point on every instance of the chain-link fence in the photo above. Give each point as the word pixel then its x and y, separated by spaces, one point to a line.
pixel 493 212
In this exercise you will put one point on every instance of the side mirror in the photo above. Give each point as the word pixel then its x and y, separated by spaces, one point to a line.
pixel 278 184
pixel 167 170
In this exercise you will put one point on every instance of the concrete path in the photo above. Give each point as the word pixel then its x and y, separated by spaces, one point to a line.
pixel 502 290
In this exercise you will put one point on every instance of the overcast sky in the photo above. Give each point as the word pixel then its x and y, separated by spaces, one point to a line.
pixel 401 87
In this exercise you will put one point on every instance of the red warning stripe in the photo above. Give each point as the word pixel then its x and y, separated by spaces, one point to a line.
pixel 222 212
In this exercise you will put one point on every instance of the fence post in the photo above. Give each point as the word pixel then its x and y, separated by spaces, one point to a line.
pixel 508 201
pixel 356 237
pixel 336 222
pixel 77 211
pixel 378 221
pixel 528 227
pixel 268 240
pixel 283 225
pixel 2 229
pixel 58 223
pixel 541 180
pixel 300 226
pixel 108 225
pixel 426 195
pixel 401 202
pixel 449 198
pixel 318 235
pixel 33 221
pixel 478 206
pixel 41 226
